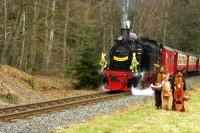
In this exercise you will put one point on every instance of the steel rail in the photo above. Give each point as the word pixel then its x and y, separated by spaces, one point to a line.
pixel 55 105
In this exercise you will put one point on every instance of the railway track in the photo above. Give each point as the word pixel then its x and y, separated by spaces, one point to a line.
pixel 55 105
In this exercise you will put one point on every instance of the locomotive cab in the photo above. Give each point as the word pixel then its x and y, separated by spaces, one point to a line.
pixel 151 54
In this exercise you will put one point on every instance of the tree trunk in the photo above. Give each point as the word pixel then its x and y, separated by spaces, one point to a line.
pixel 111 24
pixel 65 49
pixel 46 31
pixel 34 36
pixel 23 38
pixel 5 47
pixel 51 37
pixel 165 22
pixel 15 36
pixel 103 25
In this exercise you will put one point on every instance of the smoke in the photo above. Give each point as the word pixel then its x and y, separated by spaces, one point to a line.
pixel 125 10
pixel 130 5
pixel 145 92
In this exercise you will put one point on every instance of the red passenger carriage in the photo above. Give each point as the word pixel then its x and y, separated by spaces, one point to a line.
pixel 168 59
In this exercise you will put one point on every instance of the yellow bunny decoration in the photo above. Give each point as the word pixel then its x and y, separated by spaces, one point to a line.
pixel 134 63
pixel 103 63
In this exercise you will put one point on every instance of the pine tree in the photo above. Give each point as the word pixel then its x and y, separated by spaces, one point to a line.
pixel 87 63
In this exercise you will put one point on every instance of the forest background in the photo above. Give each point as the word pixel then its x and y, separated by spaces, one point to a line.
pixel 65 38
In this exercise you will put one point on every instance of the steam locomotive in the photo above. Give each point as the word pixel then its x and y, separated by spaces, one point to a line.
pixel 119 76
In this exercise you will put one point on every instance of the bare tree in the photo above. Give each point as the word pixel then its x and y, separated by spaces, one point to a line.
pixel 23 36
pixel 103 24
pixel 5 33
pixel 46 30
pixel 51 35
pixel 111 25
pixel 167 5
pixel 16 32
pixel 65 47
pixel 34 35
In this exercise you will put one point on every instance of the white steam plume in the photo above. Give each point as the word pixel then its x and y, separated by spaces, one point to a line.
pixel 125 9
pixel 145 92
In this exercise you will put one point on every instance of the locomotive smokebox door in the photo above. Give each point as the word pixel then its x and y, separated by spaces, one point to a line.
pixel 114 78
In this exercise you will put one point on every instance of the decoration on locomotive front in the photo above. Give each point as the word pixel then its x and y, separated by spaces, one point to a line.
pixel 134 63
pixel 103 63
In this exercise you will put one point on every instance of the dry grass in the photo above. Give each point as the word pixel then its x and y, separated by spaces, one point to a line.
pixel 34 82
pixel 146 119
pixel 28 89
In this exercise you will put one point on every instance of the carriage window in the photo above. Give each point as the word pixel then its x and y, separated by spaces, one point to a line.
pixel 182 59
pixel 192 60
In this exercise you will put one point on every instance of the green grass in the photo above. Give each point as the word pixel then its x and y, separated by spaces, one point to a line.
pixel 145 119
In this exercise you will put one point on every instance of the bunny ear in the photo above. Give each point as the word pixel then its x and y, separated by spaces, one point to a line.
pixel 103 54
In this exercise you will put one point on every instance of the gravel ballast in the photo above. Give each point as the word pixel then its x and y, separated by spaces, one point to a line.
pixel 53 121
pixel 56 120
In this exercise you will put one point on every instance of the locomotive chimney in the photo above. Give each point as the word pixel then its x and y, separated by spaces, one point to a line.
pixel 125 30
